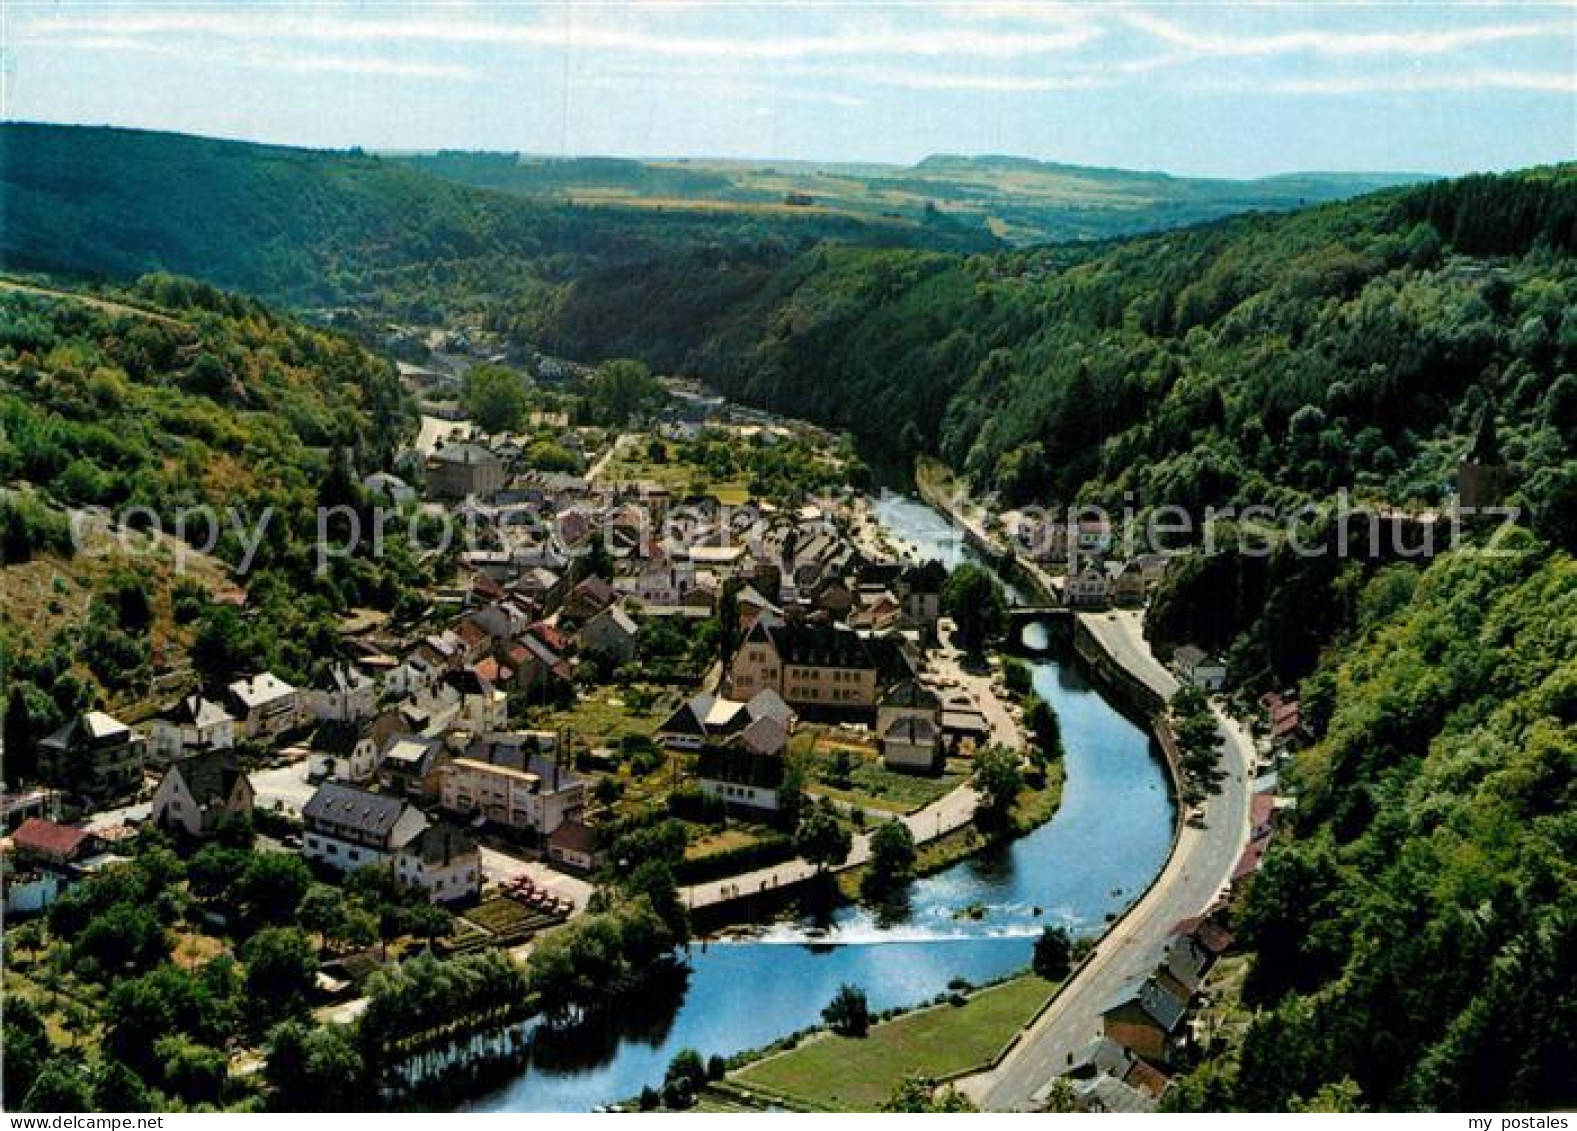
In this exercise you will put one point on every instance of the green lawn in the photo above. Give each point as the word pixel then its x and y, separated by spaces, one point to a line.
pixel 870 784
pixel 607 714
pixel 848 1074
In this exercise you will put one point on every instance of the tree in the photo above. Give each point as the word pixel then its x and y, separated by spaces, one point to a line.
pixel 272 886
pixel 314 1068
pixel 495 398
pixel 621 389
pixel 821 838
pixel 1053 954
pixel 998 779
pixel 280 968
pixel 892 859
pixel 685 1077
pixel 118 1088
pixel 63 1085
pixel 917 1094
pixel 973 598
pixel 1040 719
pixel 322 909
pixel 848 1014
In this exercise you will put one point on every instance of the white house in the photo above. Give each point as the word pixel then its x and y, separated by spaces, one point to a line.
pixel 1193 666
pixel 343 694
pixel 200 790
pixel 264 706
pixel 443 861
pixel 537 797
pixel 349 829
pixel 192 725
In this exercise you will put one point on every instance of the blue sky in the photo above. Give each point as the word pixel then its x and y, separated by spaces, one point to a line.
pixel 1218 89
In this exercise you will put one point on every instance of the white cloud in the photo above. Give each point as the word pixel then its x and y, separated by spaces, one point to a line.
pixel 576 29
pixel 1332 43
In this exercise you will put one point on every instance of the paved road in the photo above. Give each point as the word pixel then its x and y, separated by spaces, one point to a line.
pixel 1121 634
pixel 1199 868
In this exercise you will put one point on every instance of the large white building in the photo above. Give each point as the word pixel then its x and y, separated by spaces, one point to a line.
pixel 350 829
pixel 537 797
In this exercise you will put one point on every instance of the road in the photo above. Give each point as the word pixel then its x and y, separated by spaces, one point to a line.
pixel 1196 873
pixel 1120 633
pixel 594 472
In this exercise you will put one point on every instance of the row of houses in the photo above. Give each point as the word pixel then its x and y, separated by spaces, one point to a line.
pixel 1145 1025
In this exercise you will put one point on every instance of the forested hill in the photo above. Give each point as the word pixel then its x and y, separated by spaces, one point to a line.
pixel 313 227
pixel 1263 358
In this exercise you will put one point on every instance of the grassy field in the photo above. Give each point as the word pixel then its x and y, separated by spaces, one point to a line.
pixel 858 1074
pixel 870 784
pixel 606 715
pixel 678 475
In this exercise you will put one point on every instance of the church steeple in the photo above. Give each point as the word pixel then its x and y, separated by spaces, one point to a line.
pixel 1484 449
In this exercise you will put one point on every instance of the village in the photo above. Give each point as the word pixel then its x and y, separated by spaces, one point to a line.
pixel 664 633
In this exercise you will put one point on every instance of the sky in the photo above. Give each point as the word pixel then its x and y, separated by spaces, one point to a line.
pixel 1221 89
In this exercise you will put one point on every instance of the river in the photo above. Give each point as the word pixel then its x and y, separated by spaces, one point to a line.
pixel 1106 843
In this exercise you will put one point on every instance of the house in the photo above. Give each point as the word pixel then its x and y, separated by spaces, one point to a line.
pixel 708 717
pixel 461 470
pixel 747 769
pixel 588 598
pixel 575 845
pixel 909 726
pixel 1126 583
pixel 264 706
pixel 344 693
pixel 535 798
pixel 507 619
pixel 818 665
pixel 920 592
pixel 833 597
pixel 610 634
pixel 45 842
pixel 537 665
pixel 1199 670
pixel 443 861
pixel 192 725
pixel 1144 1016
pixel 1089 588
pixel 348 828
pixel 94 755
pixel 28 890
pixel 411 766
pixel 1285 717
pixel 469 701
pixel 200 790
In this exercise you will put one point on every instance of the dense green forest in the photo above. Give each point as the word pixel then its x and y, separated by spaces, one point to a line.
pixel 1263 359
pixel 311 227
pixel 1414 933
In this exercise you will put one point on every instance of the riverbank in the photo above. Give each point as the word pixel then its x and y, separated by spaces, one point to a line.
pixel 968 1031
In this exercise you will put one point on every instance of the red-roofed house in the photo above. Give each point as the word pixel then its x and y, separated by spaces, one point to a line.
pixel 51 843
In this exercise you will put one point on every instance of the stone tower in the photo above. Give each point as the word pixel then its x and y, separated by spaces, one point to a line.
pixel 1481 473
